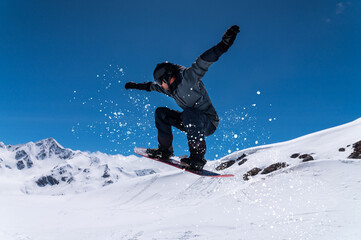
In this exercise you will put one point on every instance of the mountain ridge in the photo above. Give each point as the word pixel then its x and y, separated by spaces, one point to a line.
pixel 58 170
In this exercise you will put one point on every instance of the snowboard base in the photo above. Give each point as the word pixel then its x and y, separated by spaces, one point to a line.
pixel 175 163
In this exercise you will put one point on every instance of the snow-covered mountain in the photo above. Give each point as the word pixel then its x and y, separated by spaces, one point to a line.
pixel 47 167
pixel 306 188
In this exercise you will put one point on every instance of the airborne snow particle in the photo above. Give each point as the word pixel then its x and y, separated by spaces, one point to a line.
pixel 235 136
pixel 258 92
pixel 256 142
pixel 253 105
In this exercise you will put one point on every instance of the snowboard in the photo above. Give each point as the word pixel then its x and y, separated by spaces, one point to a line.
pixel 176 163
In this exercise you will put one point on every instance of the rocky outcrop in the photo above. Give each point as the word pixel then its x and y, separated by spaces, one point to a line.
pixel 106 183
pixel 250 173
pixel 274 167
pixel 22 156
pixel 144 172
pixel 20 165
pixel 106 171
pixel 47 180
pixel 244 160
pixel 225 165
pixel 49 147
pixel 305 157
pixel 356 154
pixel 229 163
pixel 267 170
pixel 26 153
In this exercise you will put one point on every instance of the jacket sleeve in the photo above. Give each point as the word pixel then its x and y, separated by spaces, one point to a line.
pixel 196 72
pixel 155 87
pixel 148 86
pixel 203 62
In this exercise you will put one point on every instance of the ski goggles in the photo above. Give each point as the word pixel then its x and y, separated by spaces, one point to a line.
pixel 164 77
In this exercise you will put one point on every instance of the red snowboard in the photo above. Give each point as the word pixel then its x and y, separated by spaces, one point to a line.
pixel 175 163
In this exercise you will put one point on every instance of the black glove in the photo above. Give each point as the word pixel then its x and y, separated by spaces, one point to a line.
pixel 130 85
pixel 139 86
pixel 230 35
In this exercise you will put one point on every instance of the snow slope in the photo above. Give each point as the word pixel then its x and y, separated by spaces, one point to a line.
pixel 316 199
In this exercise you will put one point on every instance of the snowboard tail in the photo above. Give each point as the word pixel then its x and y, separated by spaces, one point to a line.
pixel 175 163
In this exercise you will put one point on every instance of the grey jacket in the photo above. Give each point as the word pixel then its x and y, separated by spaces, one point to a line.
pixel 189 91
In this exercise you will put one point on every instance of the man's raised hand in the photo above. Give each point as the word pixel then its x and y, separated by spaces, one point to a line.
pixel 230 35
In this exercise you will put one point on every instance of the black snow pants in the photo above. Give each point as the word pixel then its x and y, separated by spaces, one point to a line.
pixel 193 122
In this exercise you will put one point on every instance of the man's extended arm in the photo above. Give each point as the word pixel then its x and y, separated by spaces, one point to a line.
pixel 212 54
pixel 201 65
pixel 148 86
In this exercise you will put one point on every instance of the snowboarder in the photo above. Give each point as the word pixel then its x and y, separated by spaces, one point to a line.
pixel 199 118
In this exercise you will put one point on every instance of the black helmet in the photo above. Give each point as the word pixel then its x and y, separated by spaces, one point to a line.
pixel 164 71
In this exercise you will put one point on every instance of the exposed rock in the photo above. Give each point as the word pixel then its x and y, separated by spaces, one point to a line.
pixel 295 155
pixel 49 147
pixel 21 154
pixel 67 179
pixel 2 145
pixel 43 181
pixel 24 157
pixel 106 171
pixel 13 148
pixel 341 149
pixel 356 151
pixel 107 183
pixel 29 163
pixel 274 167
pixel 41 155
pixel 144 172
pixel 242 156
pixel 63 169
pixel 306 157
pixel 225 165
pixel 62 153
pixel 20 165
pixel 242 161
pixel 70 180
pixel 251 172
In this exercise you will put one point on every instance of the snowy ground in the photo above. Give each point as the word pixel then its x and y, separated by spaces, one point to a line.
pixel 320 199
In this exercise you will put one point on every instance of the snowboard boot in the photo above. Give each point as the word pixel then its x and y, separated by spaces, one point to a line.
pixel 194 163
pixel 160 152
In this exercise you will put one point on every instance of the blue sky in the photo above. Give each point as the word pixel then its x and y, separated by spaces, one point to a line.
pixel 64 64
